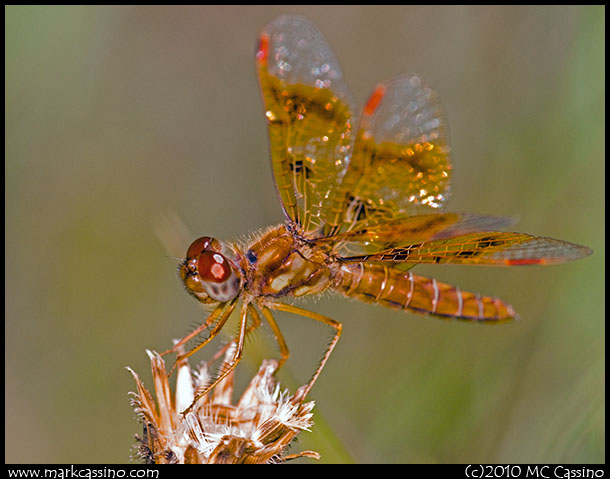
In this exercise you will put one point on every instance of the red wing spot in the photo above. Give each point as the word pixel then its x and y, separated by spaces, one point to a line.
pixel 262 52
pixel 374 100
pixel 519 262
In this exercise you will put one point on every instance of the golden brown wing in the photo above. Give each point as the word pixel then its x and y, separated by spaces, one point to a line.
pixel 309 116
pixel 485 248
pixel 409 230
pixel 401 164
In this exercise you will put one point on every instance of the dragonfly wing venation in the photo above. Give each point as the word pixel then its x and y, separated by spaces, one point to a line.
pixel 329 179
pixel 401 161
pixel 484 248
pixel 309 111
pixel 405 231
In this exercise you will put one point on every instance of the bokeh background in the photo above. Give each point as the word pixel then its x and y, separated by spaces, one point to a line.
pixel 122 122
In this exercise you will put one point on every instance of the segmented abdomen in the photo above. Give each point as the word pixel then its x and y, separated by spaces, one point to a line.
pixel 390 287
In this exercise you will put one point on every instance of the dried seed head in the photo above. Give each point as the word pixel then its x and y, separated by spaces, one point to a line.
pixel 257 429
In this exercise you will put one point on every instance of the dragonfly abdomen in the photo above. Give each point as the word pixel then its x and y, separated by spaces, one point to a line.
pixel 396 289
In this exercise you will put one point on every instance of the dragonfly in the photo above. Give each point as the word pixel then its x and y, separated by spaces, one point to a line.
pixel 363 203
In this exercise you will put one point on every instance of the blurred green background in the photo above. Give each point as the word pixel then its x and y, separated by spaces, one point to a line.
pixel 118 118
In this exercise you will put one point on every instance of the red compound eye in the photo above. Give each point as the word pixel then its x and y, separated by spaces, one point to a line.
pixel 213 267
pixel 198 246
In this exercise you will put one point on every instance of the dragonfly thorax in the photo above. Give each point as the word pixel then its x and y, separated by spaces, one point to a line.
pixel 278 263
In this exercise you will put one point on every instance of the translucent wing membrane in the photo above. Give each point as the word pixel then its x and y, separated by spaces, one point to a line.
pixel 487 248
pixel 409 230
pixel 309 114
pixel 401 162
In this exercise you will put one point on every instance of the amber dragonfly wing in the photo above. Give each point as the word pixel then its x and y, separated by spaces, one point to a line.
pixel 483 248
pixel 309 112
pixel 374 237
pixel 401 163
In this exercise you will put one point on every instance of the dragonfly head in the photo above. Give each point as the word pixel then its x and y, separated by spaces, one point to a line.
pixel 207 273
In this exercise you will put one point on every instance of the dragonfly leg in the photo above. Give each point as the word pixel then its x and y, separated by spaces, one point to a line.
pixel 256 322
pixel 230 366
pixel 278 336
pixel 220 314
pixel 213 316
pixel 336 325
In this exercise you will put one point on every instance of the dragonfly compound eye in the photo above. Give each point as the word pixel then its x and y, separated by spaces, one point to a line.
pixel 200 245
pixel 217 276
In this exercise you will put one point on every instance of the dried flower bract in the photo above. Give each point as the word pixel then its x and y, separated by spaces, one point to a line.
pixel 257 429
